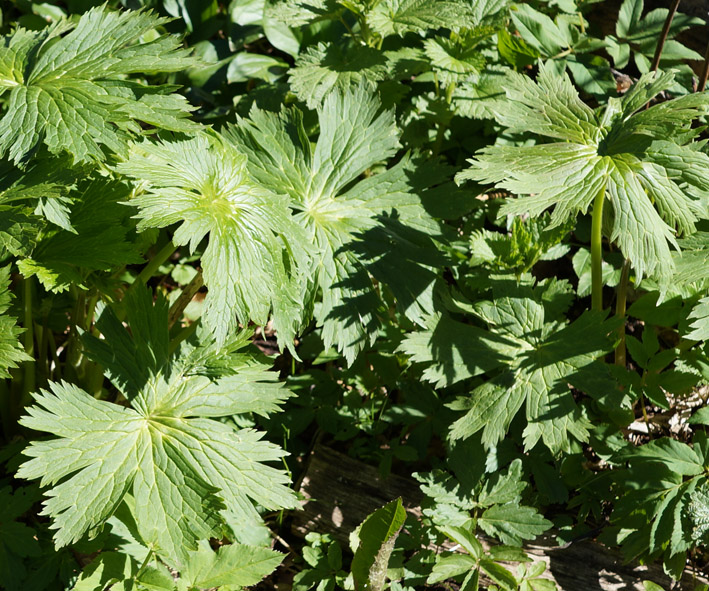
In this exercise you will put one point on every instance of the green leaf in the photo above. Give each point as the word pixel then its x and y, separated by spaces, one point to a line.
pixel 639 34
pixel 465 537
pixel 160 448
pixel 105 570
pixel 449 566
pixel 539 31
pixel 248 66
pixel 624 154
pixel 453 351
pixel 507 488
pixel 512 523
pixel 11 354
pixel 456 58
pixel 256 251
pixel 499 574
pixel 377 536
pixel 700 321
pixel 333 205
pixel 18 230
pixel 700 417
pixel 515 50
pixel 18 541
pixel 64 258
pixel 301 12
pixel 681 458
pixel 156 578
pixel 43 186
pixel 527 242
pixel 398 17
pixel 698 511
pixel 234 564
pixel 325 67
pixel 68 88
pixel 548 357
pixel 657 487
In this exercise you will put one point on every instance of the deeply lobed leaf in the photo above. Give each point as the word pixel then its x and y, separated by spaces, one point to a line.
pixel 256 252
pixel 182 470
pixel 634 156
pixel 67 85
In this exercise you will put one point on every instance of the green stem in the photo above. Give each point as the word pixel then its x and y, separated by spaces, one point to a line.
pixel 28 385
pixel 349 30
pixel 189 291
pixel 620 305
pixel 597 251
pixel 43 344
pixel 564 53
pixel 442 127
pixel 184 334
pixel 73 347
pixel 57 373
pixel 151 268
pixel 450 89
pixel 145 565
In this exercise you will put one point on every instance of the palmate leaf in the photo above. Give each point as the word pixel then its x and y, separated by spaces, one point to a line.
pixel 255 251
pixel 700 321
pixel 11 354
pixel 332 208
pixel 296 13
pixel 68 89
pixel 533 359
pixel 62 258
pixel 633 155
pixel 453 351
pixel 181 468
pixel 398 17
pixel 18 230
pixel 662 478
pixel 325 67
pixel 354 135
pixel 457 57
pixel 42 186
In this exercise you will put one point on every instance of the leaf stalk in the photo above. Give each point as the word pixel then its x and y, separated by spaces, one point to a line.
pixel 620 304
pixel 597 251
pixel 29 382
pixel 155 263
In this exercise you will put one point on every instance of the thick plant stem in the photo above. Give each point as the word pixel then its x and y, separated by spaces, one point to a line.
pixel 151 268
pixel 597 251
pixel 620 304
pixel 663 35
pixel 29 382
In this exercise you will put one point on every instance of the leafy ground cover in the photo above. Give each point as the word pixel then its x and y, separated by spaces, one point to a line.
pixel 465 241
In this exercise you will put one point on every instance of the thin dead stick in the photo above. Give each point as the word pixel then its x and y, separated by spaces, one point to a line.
pixel 705 72
pixel 663 35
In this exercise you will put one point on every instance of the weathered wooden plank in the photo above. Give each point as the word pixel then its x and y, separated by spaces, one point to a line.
pixel 342 491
